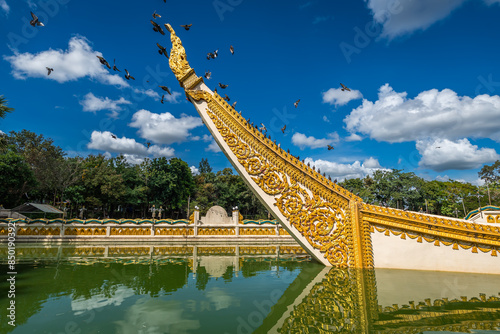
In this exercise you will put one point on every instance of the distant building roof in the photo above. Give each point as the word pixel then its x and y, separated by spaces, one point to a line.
pixel 36 207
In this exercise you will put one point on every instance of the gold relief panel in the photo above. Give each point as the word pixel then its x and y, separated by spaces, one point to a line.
pixel 292 250
pixel 130 231
pixel 42 231
pixel 216 231
pixel 174 231
pixel 128 251
pixel 257 231
pixel 4 231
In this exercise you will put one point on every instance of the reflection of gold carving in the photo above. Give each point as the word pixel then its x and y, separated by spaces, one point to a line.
pixel 257 250
pixel 297 250
pixel 128 251
pixel 216 250
pixel 173 251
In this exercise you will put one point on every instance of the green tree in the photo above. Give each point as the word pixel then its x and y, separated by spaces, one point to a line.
pixel 3 107
pixel 16 178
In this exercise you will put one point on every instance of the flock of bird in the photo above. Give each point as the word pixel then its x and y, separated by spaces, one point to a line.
pixel 163 51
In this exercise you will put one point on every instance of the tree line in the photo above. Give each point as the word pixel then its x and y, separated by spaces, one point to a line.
pixel 33 169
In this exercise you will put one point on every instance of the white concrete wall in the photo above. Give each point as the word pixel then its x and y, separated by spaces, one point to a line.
pixel 394 252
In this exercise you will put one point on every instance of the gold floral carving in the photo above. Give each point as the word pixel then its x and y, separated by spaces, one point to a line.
pixel 309 201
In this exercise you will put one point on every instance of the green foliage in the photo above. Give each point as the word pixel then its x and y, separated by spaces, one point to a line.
pixel 3 107
pixel 16 178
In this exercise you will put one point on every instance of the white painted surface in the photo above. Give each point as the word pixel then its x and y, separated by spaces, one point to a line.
pixel 396 253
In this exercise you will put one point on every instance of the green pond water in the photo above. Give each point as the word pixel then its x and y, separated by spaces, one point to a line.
pixel 70 290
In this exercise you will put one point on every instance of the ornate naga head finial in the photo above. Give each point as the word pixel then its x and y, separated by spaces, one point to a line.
pixel 177 60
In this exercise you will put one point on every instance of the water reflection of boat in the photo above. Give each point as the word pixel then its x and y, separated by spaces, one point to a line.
pixel 348 301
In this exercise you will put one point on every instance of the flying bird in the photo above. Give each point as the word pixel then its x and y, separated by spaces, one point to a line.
pixel 104 61
pixel 148 144
pixel 210 55
pixel 49 70
pixel 208 74
pixel 113 136
pixel 215 53
pixel 222 86
pixel 438 146
pixel 283 128
pixel 35 21
pixel 162 99
pixel 128 76
pixel 234 105
pixel 165 88
pixel 231 48
pixel 344 88
pixel 263 127
pixel 156 15
pixel 296 103
pixel 162 50
pixel 114 66
pixel 156 27
pixel 226 98
pixel 186 26
pixel 329 147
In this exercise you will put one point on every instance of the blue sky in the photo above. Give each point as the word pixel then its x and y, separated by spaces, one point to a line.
pixel 424 79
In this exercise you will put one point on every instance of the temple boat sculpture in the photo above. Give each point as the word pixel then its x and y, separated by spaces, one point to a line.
pixel 335 226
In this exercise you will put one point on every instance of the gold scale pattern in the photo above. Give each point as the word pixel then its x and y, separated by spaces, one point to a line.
pixel 433 229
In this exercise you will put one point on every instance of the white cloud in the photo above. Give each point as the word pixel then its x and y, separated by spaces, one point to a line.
pixel 4 6
pixel 93 103
pixel 207 138
pixel 213 147
pixel 148 92
pixel 346 171
pixel 337 97
pixel 406 16
pixel 164 128
pixel 172 98
pixel 77 62
pixel 1 132
pixel 134 159
pixel 354 137
pixel 302 141
pixel 433 113
pixel 158 151
pixel 319 19
pixel 105 142
pixel 326 119
pixel 194 170
pixel 129 147
pixel 443 154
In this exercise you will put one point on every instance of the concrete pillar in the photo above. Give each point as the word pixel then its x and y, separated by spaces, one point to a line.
pixel 196 220
pixel 195 259
pixel 61 232
pixel 152 229
pixel 108 231
pixel 236 221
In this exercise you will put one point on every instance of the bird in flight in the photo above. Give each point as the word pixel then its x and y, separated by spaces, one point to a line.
pixel 104 61
pixel 231 48
pixel 128 76
pixel 148 144
pixel 283 128
pixel 156 15
pixel 49 70
pixel 113 136
pixel 438 146
pixel 329 147
pixel 114 66
pixel 263 128
pixel 344 88
pixel 215 53
pixel 210 55
pixel 162 50
pixel 162 99
pixel 208 74
pixel 234 104
pixel 186 26
pixel 296 104
pixel 226 98
pixel 222 86
pixel 165 88
pixel 35 21
pixel 157 28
